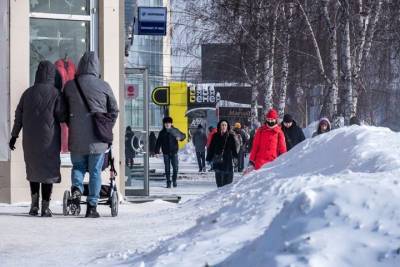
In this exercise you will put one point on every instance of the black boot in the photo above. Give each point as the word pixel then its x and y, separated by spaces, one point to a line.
pixel 91 212
pixel 34 211
pixel 75 201
pixel 46 212
pixel 168 184
pixel 174 183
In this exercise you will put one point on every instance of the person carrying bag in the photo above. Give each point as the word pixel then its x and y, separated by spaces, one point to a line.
pixel 221 152
pixel 92 114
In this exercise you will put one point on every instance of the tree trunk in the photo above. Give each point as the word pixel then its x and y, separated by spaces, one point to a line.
pixel 269 64
pixel 349 101
pixel 285 64
pixel 329 108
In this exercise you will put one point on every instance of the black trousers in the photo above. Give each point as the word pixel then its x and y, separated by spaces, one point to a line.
pixel 241 160
pixel 47 189
pixel 223 178
pixel 201 159
pixel 171 159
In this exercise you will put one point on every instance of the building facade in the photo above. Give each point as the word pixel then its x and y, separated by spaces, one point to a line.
pixel 52 30
pixel 151 52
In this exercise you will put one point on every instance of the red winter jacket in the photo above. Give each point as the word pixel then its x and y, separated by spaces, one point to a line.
pixel 268 144
pixel 210 135
pixel 67 70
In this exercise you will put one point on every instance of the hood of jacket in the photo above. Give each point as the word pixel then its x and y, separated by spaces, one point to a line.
pixel 89 64
pixel 294 124
pixel 45 73
pixel 324 120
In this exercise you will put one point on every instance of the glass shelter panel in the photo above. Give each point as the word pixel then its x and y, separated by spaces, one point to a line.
pixel 136 132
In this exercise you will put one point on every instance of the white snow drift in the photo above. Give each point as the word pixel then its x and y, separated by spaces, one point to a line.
pixel 331 201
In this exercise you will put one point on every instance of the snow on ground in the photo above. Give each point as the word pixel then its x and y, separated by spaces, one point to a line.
pixel 310 129
pixel 331 201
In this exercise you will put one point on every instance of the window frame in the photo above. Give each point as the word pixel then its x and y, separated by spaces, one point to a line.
pixel 92 18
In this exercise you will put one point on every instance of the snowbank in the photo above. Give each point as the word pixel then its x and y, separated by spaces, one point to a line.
pixel 331 201
pixel 188 153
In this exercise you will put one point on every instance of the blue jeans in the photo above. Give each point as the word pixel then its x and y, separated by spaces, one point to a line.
pixel 171 159
pixel 91 163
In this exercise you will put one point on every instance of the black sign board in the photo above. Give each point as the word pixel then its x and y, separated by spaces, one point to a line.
pixel 160 96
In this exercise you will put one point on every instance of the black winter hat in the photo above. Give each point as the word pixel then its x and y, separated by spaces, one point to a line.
pixel 354 121
pixel 167 120
pixel 287 118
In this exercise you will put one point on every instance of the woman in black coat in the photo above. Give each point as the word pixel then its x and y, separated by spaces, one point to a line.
pixel 129 148
pixel 222 143
pixel 39 113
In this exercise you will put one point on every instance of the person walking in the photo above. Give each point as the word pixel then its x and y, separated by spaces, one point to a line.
pixel 242 141
pixel 39 114
pixel 167 141
pixel 152 143
pixel 222 151
pixel 85 95
pixel 293 133
pixel 129 150
pixel 257 125
pixel 269 142
pixel 324 126
pixel 200 143
pixel 211 131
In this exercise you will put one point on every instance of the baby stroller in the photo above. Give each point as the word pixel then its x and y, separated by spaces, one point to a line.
pixel 108 192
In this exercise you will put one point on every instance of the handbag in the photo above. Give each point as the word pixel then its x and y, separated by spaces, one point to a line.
pixel 103 123
pixel 218 159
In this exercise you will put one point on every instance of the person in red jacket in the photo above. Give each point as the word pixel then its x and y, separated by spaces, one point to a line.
pixel 269 142
pixel 211 132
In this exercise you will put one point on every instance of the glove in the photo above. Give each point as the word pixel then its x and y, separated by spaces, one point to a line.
pixel 12 143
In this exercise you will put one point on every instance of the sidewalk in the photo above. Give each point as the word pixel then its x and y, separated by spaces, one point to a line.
pixel 76 241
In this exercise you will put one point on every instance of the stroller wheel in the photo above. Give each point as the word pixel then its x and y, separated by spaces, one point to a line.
pixel 67 196
pixel 114 204
pixel 75 210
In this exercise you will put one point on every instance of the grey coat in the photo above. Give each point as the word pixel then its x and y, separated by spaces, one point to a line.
pixel 200 140
pixel 100 97
pixel 39 113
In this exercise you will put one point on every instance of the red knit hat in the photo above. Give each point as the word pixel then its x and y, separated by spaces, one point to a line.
pixel 272 114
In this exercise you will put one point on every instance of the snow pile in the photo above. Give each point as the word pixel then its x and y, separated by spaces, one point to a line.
pixel 310 129
pixel 331 201
pixel 188 153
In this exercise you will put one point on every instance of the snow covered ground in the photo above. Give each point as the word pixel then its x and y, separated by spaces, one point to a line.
pixel 331 201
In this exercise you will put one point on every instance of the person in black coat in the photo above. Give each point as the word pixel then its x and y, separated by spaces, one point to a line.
pixel 168 142
pixel 222 143
pixel 152 143
pixel 293 133
pixel 130 152
pixel 200 142
pixel 39 113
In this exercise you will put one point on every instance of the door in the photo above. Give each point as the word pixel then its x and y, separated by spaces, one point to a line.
pixel 136 122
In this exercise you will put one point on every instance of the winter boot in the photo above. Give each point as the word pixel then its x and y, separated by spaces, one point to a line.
pixel 75 201
pixel 34 211
pixel 46 212
pixel 174 183
pixel 168 183
pixel 91 212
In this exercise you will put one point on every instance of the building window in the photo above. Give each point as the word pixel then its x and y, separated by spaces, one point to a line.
pixel 61 30
pixel 75 7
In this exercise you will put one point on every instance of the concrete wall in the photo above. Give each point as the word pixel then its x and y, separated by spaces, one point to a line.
pixel 13 184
